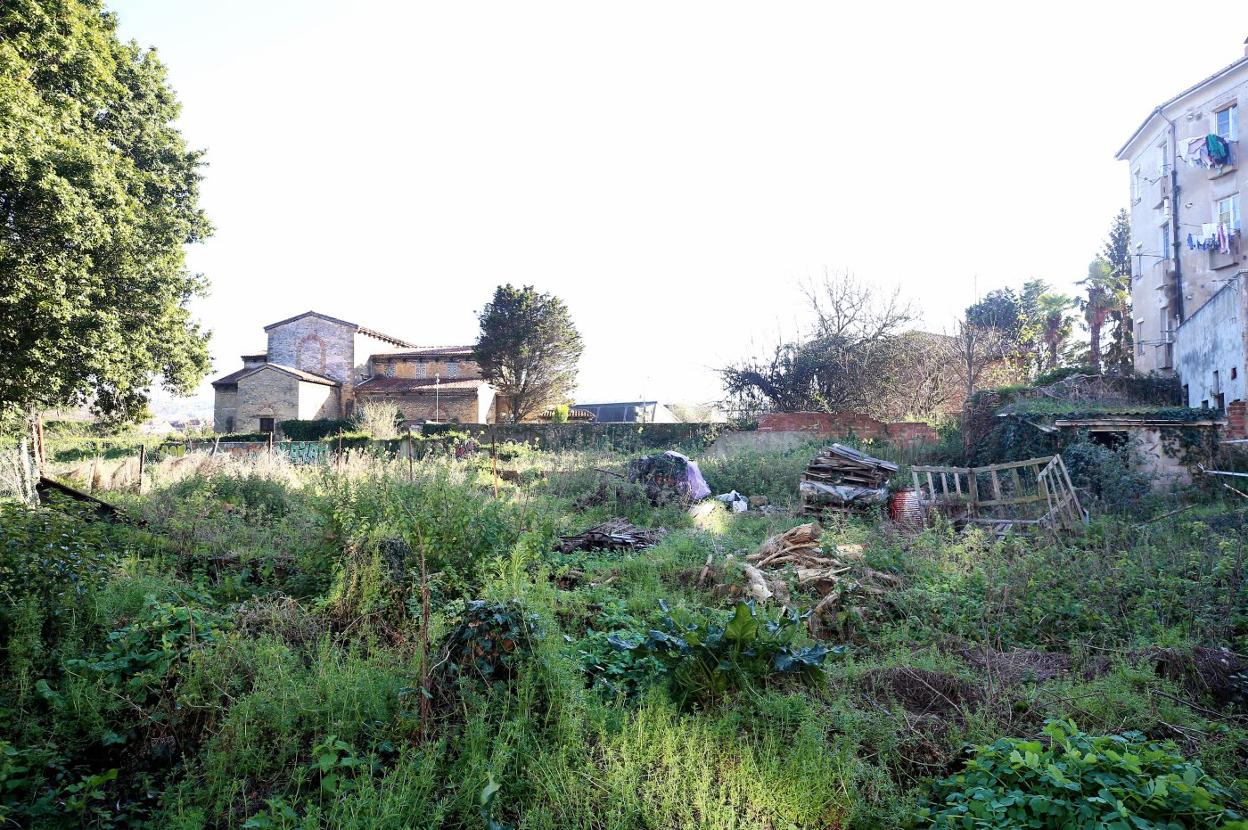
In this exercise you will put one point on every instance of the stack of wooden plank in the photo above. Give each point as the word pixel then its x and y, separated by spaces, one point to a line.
pixel 841 478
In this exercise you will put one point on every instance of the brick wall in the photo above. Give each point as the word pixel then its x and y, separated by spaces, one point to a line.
pixel 1237 420
pixel 842 424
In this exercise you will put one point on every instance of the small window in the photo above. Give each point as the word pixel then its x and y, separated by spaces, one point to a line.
pixel 422 369
pixel 1139 337
pixel 1137 186
pixel 1234 372
pixel 1219 402
pixel 1228 211
pixel 1226 123
pixel 1165 242
pixel 1161 159
pixel 229 424
pixel 452 370
pixel 1204 404
pixel 266 424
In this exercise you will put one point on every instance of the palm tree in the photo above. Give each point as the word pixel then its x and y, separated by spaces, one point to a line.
pixel 1101 301
pixel 1056 324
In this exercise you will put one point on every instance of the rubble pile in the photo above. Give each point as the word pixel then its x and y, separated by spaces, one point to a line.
pixel 617 534
pixel 841 578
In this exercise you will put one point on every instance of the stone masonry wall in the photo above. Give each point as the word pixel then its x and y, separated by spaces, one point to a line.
pixel 842 424
pixel 224 409
pixel 315 345
pixel 268 393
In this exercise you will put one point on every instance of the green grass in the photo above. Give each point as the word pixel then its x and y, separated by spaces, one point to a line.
pixel 306 710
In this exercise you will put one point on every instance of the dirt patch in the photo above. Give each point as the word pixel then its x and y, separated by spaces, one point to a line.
pixel 1017 665
pixel 921 692
pixel 1214 673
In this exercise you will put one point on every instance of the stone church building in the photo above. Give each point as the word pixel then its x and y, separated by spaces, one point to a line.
pixel 320 367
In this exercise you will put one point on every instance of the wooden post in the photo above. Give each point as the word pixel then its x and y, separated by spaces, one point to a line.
pixel 972 486
pixel 494 461
pixel 142 465
pixel 41 458
pixel 338 455
pixel 411 452
pixel 996 486
pixel 270 445
pixel 215 443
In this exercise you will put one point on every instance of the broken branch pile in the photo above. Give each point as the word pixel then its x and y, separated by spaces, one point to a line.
pixel 617 534
pixel 840 477
pixel 841 580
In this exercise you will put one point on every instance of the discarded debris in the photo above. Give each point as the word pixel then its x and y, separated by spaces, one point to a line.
pixel 669 476
pixel 842 478
pixel 1036 492
pixel 1216 673
pixel 842 580
pixel 736 502
pixel 617 534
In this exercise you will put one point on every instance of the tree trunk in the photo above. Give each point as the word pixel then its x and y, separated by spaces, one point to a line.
pixel 1094 340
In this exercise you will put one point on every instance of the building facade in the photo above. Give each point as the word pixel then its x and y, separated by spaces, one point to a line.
pixel 1189 260
pixel 321 367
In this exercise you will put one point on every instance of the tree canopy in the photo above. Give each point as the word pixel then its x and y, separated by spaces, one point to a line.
pixel 99 194
pixel 528 349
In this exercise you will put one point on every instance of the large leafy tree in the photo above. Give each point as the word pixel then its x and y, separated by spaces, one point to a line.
pixel 528 349
pixel 99 194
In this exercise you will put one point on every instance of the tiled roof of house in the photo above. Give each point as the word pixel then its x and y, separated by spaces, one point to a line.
pixel 439 351
pixel 235 377
pixel 380 383
pixel 361 329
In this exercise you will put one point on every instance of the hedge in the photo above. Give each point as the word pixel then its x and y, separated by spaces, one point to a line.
pixel 297 430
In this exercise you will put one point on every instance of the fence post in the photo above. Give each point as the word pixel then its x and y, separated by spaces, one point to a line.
pixel 494 459
pixel 142 465
pixel 411 451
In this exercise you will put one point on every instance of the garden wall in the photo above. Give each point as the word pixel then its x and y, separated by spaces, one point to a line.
pixel 844 424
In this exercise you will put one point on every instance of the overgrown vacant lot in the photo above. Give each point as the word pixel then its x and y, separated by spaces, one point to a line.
pixel 263 651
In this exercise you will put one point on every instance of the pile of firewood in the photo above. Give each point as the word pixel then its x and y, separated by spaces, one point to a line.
pixel 842 580
pixel 617 534
pixel 840 478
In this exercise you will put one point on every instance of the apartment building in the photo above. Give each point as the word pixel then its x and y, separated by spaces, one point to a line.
pixel 1189 258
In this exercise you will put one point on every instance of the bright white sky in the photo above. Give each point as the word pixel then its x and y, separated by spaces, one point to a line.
pixel 673 170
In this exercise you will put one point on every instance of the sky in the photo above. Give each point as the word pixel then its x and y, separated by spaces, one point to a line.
pixel 673 170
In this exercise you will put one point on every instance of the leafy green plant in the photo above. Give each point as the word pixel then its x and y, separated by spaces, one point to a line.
pixel 490 641
pixel 1073 780
pixel 706 659
pixel 611 669
pixel 139 657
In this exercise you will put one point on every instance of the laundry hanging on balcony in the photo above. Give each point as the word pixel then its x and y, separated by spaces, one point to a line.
pixel 1219 149
pixel 1196 152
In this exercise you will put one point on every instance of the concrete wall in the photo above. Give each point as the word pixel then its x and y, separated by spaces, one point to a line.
pixel 315 345
pixel 318 401
pixel 843 424
pixel 1210 348
pixel 1154 307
